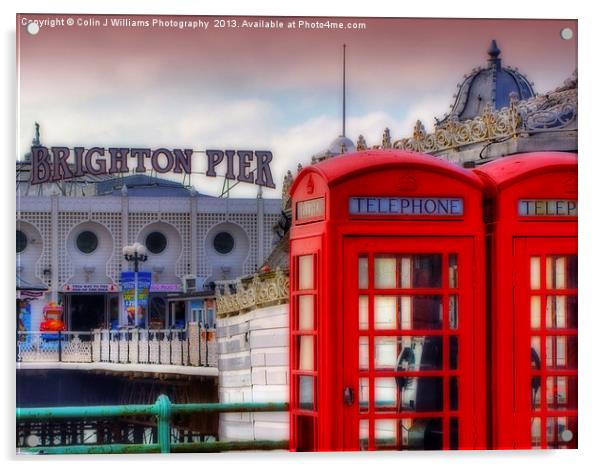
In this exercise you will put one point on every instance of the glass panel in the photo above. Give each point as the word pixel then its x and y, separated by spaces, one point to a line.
pixel 306 392
pixel 426 271
pixel 384 272
pixel 561 312
pixel 364 394
pixel 535 392
pixel 306 312
pixel 535 312
pixel 453 311
pixel 363 312
pixel 453 393
pixel 453 433
pixel 408 271
pixel 453 352
pixel 362 270
pixel 408 312
pixel 571 281
pixel 363 353
pixel 561 352
pixel 364 435
pixel 453 270
pixel 535 353
pixel 561 392
pixel 412 394
pixel 408 353
pixel 306 272
pixel 536 432
pixel 535 273
pixel 556 272
pixel 306 353
pixel 408 434
pixel 561 432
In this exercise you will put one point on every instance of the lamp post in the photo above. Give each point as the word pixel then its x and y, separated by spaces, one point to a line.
pixel 135 253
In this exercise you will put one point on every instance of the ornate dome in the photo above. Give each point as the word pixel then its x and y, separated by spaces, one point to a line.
pixel 493 85
pixel 341 144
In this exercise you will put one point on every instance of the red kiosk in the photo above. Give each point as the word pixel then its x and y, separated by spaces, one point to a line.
pixel 532 231
pixel 387 300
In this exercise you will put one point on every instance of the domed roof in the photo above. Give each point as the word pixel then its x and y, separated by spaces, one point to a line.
pixel 341 144
pixel 493 85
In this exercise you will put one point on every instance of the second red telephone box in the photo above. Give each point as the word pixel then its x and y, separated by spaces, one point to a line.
pixel 387 305
pixel 532 231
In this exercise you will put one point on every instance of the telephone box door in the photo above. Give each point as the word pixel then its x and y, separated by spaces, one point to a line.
pixel 409 357
pixel 545 322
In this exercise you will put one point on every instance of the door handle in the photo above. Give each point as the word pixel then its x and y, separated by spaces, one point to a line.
pixel 348 396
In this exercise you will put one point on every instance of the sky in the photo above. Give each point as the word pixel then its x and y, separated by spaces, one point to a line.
pixel 260 89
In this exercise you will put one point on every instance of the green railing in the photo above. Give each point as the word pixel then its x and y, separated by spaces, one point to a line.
pixel 162 409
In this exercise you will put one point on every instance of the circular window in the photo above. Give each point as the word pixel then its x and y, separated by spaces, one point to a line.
pixel 156 242
pixel 21 241
pixel 87 242
pixel 223 242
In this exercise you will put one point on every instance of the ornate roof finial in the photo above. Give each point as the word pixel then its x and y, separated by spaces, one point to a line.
pixel 36 139
pixel 361 143
pixel 386 143
pixel 494 51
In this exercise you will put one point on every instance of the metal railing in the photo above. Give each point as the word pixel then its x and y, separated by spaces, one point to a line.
pixel 193 346
pixel 162 410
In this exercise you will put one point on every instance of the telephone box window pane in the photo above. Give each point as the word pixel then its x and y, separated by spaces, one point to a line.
pixel 453 311
pixel 306 272
pixel 385 272
pixel 405 274
pixel 536 432
pixel 561 352
pixel 535 353
pixel 363 312
pixel 364 439
pixel 306 312
pixel 363 353
pixel 453 393
pixel 386 394
pixel 362 269
pixel 561 432
pixel 306 353
pixel 453 352
pixel 561 392
pixel 453 433
pixel 408 312
pixel 306 392
pixel 535 312
pixel 426 271
pixel 386 434
pixel 364 394
pixel 561 312
pixel 535 392
pixel 571 272
pixel 453 270
pixel 385 312
pixel 408 353
pixel 556 272
pixel 305 433
pixel 409 434
pixel 408 394
pixel 535 273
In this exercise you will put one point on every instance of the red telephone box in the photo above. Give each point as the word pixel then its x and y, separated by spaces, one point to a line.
pixel 532 231
pixel 387 328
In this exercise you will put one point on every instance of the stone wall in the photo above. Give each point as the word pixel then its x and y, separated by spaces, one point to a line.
pixel 253 367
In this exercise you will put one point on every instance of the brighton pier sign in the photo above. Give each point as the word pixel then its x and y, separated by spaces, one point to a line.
pixel 62 163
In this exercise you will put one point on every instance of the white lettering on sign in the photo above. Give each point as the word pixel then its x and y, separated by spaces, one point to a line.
pixel 429 206
pixel 313 208
pixel 547 208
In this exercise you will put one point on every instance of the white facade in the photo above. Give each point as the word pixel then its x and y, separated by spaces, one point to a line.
pixel 52 224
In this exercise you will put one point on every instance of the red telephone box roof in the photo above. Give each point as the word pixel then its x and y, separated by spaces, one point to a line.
pixel 509 170
pixel 347 165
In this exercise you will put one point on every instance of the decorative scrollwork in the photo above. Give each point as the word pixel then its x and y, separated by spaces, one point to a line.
pixel 261 290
